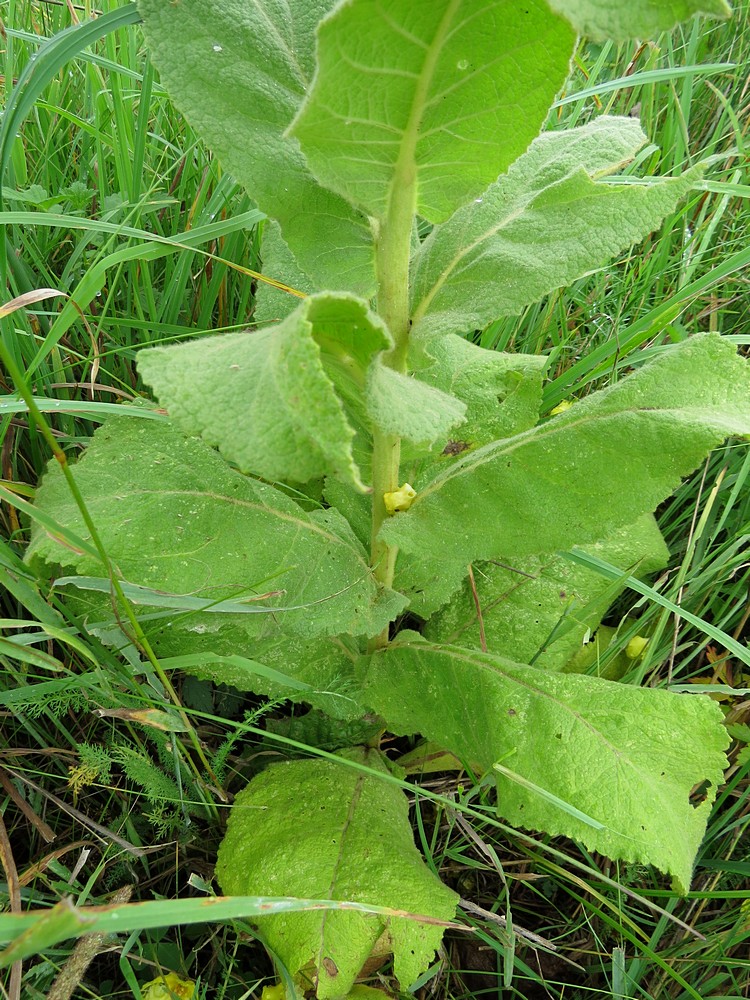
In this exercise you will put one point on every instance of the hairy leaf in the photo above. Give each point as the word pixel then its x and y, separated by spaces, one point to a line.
pixel 602 463
pixel 620 19
pixel 501 392
pixel 398 404
pixel 318 729
pixel 538 609
pixel 608 764
pixel 320 672
pixel 548 221
pixel 173 516
pixel 273 304
pixel 452 90
pixel 426 582
pixel 356 507
pixel 239 72
pixel 323 830
pixel 268 399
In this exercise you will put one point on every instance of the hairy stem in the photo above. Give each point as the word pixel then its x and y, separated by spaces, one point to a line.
pixel 392 268
pixel 392 251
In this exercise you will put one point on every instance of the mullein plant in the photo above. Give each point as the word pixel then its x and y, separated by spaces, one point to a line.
pixel 356 457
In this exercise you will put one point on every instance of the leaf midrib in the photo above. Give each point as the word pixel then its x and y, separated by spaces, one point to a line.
pixel 406 165
pixel 332 889
pixel 247 504
pixel 495 449
pixel 493 669
pixel 522 205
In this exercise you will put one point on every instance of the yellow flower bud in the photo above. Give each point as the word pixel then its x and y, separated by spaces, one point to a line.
pixel 636 647
pixel 560 408
pixel 276 992
pixel 400 499
pixel 167 987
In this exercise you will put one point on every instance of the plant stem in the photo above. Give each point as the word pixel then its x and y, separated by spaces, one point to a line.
pixel 392 269
pixel 392 252
pixel 386 455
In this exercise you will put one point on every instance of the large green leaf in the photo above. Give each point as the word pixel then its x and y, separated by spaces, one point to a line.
pixel 502 395
pixel 174 517
pixel 266 660
pixel 539 608
pixel 239 71
pixel 548 221
pixel 620 19
pixel 450 91
pixel 268 399
pixel 608 459
pixel 608 764
pixel 319 829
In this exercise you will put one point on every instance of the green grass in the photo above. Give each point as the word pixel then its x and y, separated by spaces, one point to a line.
pixel 111 199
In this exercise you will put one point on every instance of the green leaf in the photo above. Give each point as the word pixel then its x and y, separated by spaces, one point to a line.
pixel 239 72
pixel 538 609
pixel 621 19
pixel 319 672
pixel 450 91
pixel 548 221
pixel 273 304
pixel 174 517
pixel 502 392
pixel 607 764
pixel 425 582
pixel 428 583
pixel 356 508
pixel 328 829
pixel 316 729
pixel 265 398
pixel 608 459
pixel 399 404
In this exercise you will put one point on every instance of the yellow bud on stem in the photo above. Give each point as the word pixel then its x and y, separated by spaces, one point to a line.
pixel 400 499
